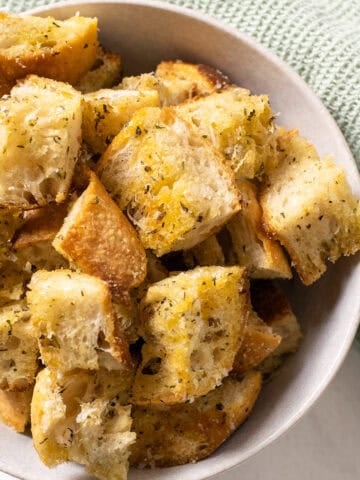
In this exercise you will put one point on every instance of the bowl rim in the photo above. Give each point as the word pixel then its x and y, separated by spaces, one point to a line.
pixel 249 41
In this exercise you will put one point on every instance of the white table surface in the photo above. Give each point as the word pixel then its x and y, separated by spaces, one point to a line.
pixel 324 445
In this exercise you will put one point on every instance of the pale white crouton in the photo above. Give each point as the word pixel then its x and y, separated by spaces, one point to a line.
pixel 240 125
pixel 174 185
pixel 106 111
pixel 186 433
pixel 70 424
pixel 180 81
pixel 62 50
pixel 74 320
pixel 253 249
pixel 40 134
pixel 193 325
pixel 104 73
pixel 309 207
pixel 18 348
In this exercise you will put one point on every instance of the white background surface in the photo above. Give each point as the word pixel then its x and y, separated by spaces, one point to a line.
pixel 324 445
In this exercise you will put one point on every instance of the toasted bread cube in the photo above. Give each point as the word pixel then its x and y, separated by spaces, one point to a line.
pixel 127 317
pixel 240 125
pixel 174 185
pixel 10 221
pixel 309 207
pixel 186 433
pixel 62 50
pixel 262 256
pixel 13 279
pixel 97 237
pixel 74 320
pixel 193 324
pixel 143 82
pixel 40 126
pixel 104 73
pixel 106 111
pixel 18 348
pixel 70 423
pixel 34 238
pixel 15 408
pixel 274 309
pixel 206 254
pixel 180 81
pixel 259 342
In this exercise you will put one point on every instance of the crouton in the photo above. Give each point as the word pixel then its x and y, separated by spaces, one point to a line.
pixel 259 342
pixel 143 82
pixel 193 325
pixel 15 408
pixel 127 317
pixel 74 320
pixel 18 348
pixel 41 132
pixel 309 208
pixel 62 50
pixel 97 237
pixel 33 239
pixel 106 111
pixel 206 254
pixel 9 222
pixel 240 125
pixel 253 249
pixel 13 280
pixel 70 424
pixel 274 309
pixel 186 433
pixel 180 81
pixel 174 185
pixel 104 73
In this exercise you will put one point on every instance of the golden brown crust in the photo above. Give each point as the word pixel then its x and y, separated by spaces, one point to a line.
pixel 40 224
pixel 186 433
pixel 100 241
pixel 15 408
pixel 66 57
pixel 259 342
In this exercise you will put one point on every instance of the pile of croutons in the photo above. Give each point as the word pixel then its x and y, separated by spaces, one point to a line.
pixel 143 221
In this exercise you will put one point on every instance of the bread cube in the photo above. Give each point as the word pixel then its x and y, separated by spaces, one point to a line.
pixel 9 222
pixel 75 323
pixel 33 242
pixel 180 81
pixel 143 82
pixel 238 124
pixel 62 50
pixel 274 309
pixel 259 342
pixel 18 348
pixel 193 325
pixel 186 433
pixel 104 73
pixel 40 126
pixel 70 424
pixel 173 184
pixel 253 249
pixel 99 240
pixel 309 207
pixel 15 408
pixel 206 254
pixel 13 280
pixel 106 111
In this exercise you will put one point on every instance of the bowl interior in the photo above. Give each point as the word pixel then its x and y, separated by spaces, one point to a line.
pixel 146 33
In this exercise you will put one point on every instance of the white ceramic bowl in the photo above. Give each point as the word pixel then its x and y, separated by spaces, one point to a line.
pixel 145 33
